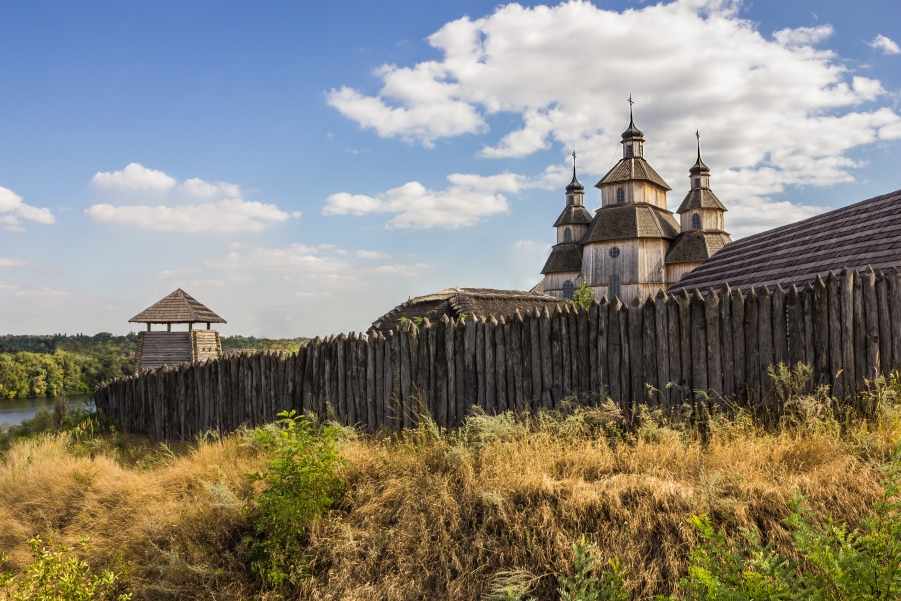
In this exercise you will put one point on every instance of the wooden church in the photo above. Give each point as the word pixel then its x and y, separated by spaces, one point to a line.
pixel 633 245
pixel 159 348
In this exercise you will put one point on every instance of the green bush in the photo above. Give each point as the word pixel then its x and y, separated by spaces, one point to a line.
pixel 55 575
pixel 300 484
pixel 830 560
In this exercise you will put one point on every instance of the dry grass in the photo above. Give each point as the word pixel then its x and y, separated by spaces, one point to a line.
pixel 432 516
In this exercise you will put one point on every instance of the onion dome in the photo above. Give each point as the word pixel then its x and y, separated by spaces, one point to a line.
pixel 632 133
pixel 699 168
pixel 574 186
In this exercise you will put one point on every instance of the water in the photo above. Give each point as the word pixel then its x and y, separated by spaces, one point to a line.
pixel 13 411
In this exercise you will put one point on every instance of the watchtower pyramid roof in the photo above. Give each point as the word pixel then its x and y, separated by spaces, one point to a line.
pixel 178 307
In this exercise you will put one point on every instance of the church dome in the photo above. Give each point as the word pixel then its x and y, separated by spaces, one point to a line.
pixel 699 168
pixel 632 133
pixel 575 186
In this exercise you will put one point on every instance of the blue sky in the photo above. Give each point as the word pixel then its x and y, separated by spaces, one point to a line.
pixel 303 167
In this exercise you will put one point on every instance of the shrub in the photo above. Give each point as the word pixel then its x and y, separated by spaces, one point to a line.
pixel 831 561
pixel 301 483
pixel 52 576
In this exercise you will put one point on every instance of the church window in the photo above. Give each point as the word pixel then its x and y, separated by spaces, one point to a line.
pixel 629 151
pixel 567 235
pixel 569 199
pixel 697 182
pixel 614 286
pixel 620 196
pixel 696 222
pixel 614 252
pixel 568 290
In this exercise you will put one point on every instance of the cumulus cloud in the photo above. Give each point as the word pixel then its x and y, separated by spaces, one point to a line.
pixel 888 46
pixel 753 214
pixel 234 215
pixel 371 254
pixel 13 210
pixel 224 210
pixel 774 109
pixel 134 177
pixel 468 199
pixel 13 262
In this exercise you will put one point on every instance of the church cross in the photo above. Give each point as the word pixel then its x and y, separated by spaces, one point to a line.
pixel 630 106
pixel 698 136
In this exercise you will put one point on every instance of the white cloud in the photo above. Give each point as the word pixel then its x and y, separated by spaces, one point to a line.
pixel 888 46
pixel 12 209
pixel 371 254
pixel 224 211
pixel 754 214
pixel 224 216
pixel 774 111
pixel 13 262
pixel 468 199
pixel 134 177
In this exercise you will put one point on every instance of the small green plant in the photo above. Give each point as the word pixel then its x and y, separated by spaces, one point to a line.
pixel 414 322
pixel 583 295
pixel 301 482
pixel 830 561
pixel 54 574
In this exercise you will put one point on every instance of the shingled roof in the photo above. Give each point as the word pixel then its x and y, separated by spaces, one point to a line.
pixel 701 198
pixel 632 168
pixel 639 220
pixel 564 258
pixel 178 307
pixel 573 215
pixel 867 233
pixel 696 245
pixel 472 301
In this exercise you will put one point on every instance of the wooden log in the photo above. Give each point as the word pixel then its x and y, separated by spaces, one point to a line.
pixel 637 357
pixel 739 361
pixel 871 322
pixel 593 349
pixel 894 277
pixel 765 340
pixel 526 359
pixel 556 357
pixel 727 348
pixel 795 316
pixel 256 403
pixel 449 342
pixel 885 324
pixel 509 370
pixel 673 331
pixel 780 328
pixel 602 365
pixel 860 332
pixel 411 402
pixel 383 381
pixel 566 360
pixel 836 376
pixel 306 394
pixel 480 363
pixel 821 334
pixel 547 364
pixel 846 298
pixel 370 396
pixel 661 323
pixel 535 352
pixel 397 407
pixel 500 359
pixel 441 373
pixel 406 380
pixel 649 350
pixel 470 380
pixel 491 381
pixel 584 353
pixel 807 310
pixel 182 402
pixel 515 354
pixel 459 380
pixel 625 342
pixel 698 343
pixel 752 349
pixel 686 346
pixel 714 350
pixel 341 379
pixel 424 368
pixel 432 329
pixel 614 352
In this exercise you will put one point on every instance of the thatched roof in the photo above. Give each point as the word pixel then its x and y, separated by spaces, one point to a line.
pixel 178 307
pixel 864 234
pixel 452 302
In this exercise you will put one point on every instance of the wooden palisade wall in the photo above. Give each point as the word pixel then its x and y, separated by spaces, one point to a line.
pixel 721 342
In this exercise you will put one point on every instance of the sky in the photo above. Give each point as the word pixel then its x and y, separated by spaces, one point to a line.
pixel 301 168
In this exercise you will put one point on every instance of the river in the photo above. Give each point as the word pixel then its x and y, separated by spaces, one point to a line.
pixel 13 411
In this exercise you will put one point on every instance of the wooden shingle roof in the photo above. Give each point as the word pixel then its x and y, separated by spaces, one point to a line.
pixel 178 307
pixel 696 245
pixel 573 215
pixel 867 233
pixel 564 258
pixel 634 220
pixel 701 198
pixel 632 168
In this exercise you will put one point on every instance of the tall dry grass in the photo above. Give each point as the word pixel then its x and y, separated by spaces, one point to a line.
pixel 432 515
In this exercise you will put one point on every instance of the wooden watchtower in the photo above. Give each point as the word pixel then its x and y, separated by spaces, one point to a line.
pixel 173 348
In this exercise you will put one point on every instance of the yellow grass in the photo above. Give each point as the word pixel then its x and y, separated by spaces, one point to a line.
pixel 432 516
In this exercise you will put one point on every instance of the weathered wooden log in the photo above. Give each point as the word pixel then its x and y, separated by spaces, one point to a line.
pixel 649 351
pixel 752 348
pixel 780 328
pixel 512 398
pixel 698 343
pixel 491 379
pixel 449 343
pixel 637 389
pixel 470 381
pixel 846 297
pixel 602 366
pixel 524 360
pixel 860 332
pixel 614 352
pixel 406 376
pixel 341 378
pixel 688 384
pixel 535 352
pixel 396 404
pixel 584 354
pixel 673 329
pixel 370 396
pixel 894 277
pixel 432 330
pixel 556 357
pixel 820 333
pixel 625 343
pixel 714 352
pixel 727 349
pixel 765 340
pixel 795 314
pixel 459 381
pixel 836 375
pixel 593 371
pixel 885 324
pixel 739 361
pixel 424 368
pixel 480 363
pixel 500 359
pixel 442 375
pixel 661 322
pixel 566 363
pixel 871 322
